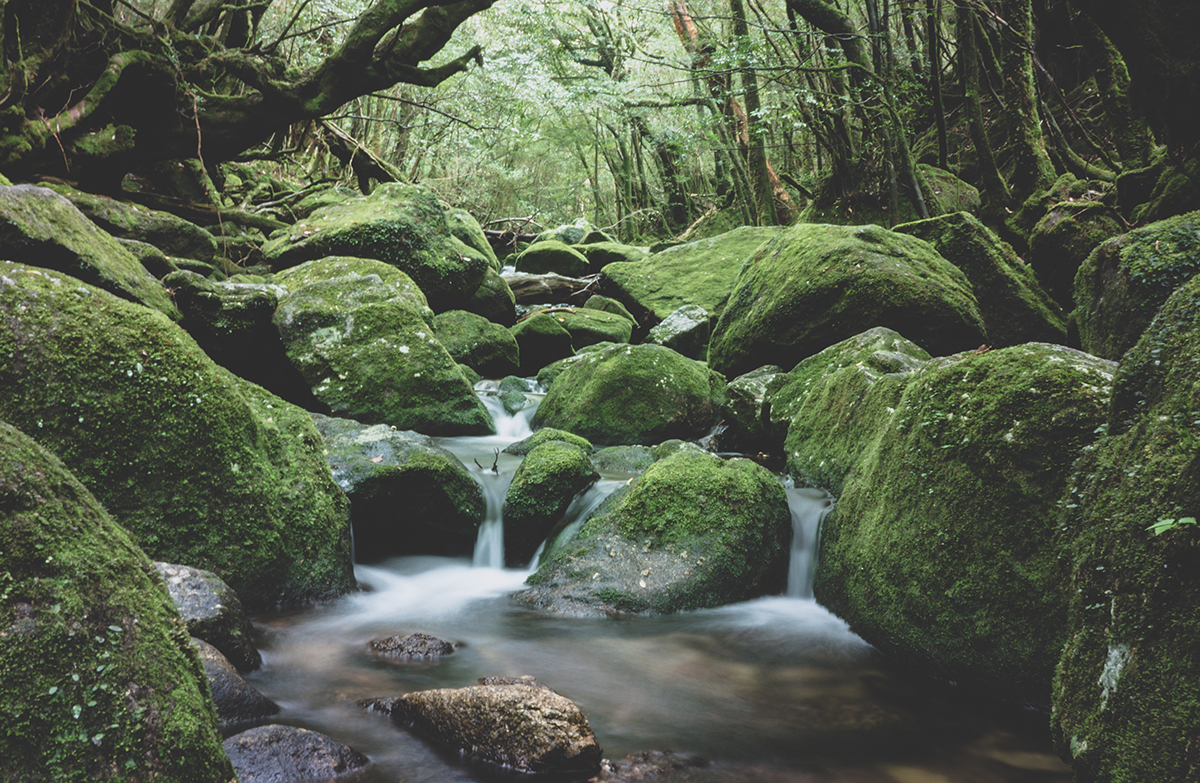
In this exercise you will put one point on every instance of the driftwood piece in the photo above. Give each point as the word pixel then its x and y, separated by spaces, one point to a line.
pixel 548 288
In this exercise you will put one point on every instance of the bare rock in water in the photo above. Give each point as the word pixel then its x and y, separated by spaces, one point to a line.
pixel 212 612
pixel 239 704
pixel 414 645
pixel 274 753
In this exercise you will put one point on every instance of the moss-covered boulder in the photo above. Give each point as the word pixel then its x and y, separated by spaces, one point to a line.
pixel 831 406
pixel 170 234
pixel 542 339
pixel 494 300
pixel 940 550
pixel 552 256
pixel 1014 307
pixel 582 233
pixel 684 331
pixel 1062 240
pixel 700 273
pixel 466 228
pixel 609 305
pixel 401 225
pixel 484 346
pixel 355 333
pixel 546 434
pixel 601 254
pixel 546 482
pixel 407 494
pixel 589 326
pixel 693 531
pixel 1125 280
pixel 100 681
pixel 622 460
pixel 1127 690
pixel 205 469
pixel 623 394
pixel 815 285
pixel 41 228
pixel 746 409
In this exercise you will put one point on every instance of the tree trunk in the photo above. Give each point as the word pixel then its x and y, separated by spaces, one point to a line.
pixel 994 187
pixel 1032 170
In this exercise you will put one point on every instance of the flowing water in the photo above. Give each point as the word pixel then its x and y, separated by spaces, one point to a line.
pixel 775 689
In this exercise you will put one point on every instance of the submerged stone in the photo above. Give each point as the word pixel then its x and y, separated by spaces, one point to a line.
pixel 693 531
pixel 625 394
pixel 815 285
pixel 410 647
pixel 206 469
pixel 79 598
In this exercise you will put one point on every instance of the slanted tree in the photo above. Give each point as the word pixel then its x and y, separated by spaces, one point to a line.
pixel 96 89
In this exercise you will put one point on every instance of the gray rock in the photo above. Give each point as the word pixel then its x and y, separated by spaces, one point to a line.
pixel 239 704
pixel 274 753
pixel 410 646
pixel 212 612
pixel 684 331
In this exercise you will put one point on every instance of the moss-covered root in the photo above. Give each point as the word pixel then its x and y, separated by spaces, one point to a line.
pixel 1127 691
pixel 100 681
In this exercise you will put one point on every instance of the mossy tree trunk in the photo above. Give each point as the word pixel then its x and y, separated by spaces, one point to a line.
pixel 1032 168
pixel 994 186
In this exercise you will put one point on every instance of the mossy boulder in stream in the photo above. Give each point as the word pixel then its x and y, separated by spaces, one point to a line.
pixel 589 326
pixel 546 482
pixel 941 550
pixel 407 494
pixel 552 256
pixel 1127 690
pixel 815 285
pixel 484 346
pixel 356 332
pixel 463 225
pixel 401 225
pixel 624 394
pixel 204 469
pixel 1125 280
pixel 693 531
pixel 41 228
pixel 1014 307
pixel 700 273
pixel 100 681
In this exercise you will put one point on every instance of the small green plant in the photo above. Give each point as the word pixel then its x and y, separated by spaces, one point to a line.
pixel 1164 524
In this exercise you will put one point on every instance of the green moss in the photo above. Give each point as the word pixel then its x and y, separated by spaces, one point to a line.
pixel 468 231
pixel 601 254
pixel 552 256
pixel 471 339
pixel 100 680
pixel 589 326
pixel 203 468
pixel 1012 303
pixel 1128 683
pixel 940 549
pixel 1062 240
pixel 547 435
pixel 542 339
pixel 494 300
pixel 1125 280
pixel 632 394
pixel 544 485
pixel 815 285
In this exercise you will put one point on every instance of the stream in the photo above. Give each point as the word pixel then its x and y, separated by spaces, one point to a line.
pixel 776 689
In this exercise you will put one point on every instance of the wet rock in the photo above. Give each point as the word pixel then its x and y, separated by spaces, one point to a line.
pixel 407 494
pixel 523 679
pixel 519 727
pixel 400 225
pixel 648 765
pixel 693 531
pixel 356 331
pixel 239 704
pixel 269 754
pixel 41 228
pixel 212 612
pixel 1124 281
pixel 206 468
pixel 410 646
pixel 815 285
pixel 684 331
pixel 546 434
pixel 80 598
pixel 746 408
pixel 623 394
pixel 545 483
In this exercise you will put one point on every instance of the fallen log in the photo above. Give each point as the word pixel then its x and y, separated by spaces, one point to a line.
pixel 547 289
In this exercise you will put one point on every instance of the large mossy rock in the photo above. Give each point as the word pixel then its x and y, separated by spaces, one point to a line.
pixel 589 326
pixel 1062 240
pixel 486 347
pixel 542 339
pixel 1014 307
pixel 552 256
pixel 625 394
pixel 523 728
pixel 407 494
pixel 464 226
pixel 546 481
pixel 693 531
pixel 700 273
pixel 494 300
pixel 41 228
pixel 355 330
pixel 401 225
pixel 205 469
pixel 601 254
pixel 172 235
pixel 100 681
pixel 941 549
pixel 1127 691
pixel 816 285
pixel 1125 280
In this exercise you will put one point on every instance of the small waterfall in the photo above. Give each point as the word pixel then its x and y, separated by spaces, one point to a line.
pixel 809 507
pixel 573 518
pixel 510 427
pixel 489 544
